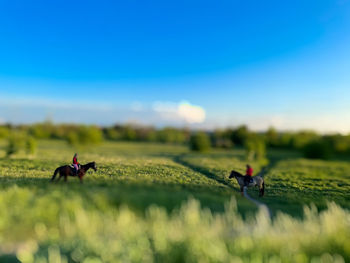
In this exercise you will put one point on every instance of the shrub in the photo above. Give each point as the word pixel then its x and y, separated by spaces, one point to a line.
pixel 72 138
pixel 240 135
pixel 90 135
pixel 151 136
pixel 317 150
pixel 42 130
pixel 12 146
pixel 200 142
pixel 85 135
pixel 16 142
pixel 4 132
pixel 221 139
pixel 31 145
pixel 255 148
pixel 338 143
pixel 112 134
pixel 272 137
pixel 303 138
pixel 172 135
pixel 129 133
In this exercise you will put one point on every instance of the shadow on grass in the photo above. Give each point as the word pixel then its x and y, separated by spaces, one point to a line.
pixel 137 196
pixel 275 203
pixel 9 258
pixel 204 171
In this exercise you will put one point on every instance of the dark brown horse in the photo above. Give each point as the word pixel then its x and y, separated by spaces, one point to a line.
pixel 67 170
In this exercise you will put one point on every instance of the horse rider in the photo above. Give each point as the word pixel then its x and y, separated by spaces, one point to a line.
pixel 248 175
pixel 76 163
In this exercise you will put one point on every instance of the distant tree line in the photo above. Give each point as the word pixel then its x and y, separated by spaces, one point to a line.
pixel 312 144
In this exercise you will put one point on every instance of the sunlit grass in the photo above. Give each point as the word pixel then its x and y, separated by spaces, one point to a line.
pixel 161 203
pixel 136 174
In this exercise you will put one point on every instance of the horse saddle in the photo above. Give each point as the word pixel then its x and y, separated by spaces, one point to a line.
pixel 72 166
pixel 248 180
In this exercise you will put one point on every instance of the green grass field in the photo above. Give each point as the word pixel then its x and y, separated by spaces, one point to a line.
pixel 162 203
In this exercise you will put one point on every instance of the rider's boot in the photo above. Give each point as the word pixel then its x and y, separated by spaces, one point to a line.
pixel 246 181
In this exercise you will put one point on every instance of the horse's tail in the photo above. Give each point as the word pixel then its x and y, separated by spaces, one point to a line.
pixel 263 189
pixel 55 173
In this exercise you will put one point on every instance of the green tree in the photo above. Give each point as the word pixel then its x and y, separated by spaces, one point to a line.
pixel 16 142
pixel 90 135
pixel 200 142
pixel 302 138
pixel 42 130
pixel 272 137
pixel 85 135
pixel 113 134
pixel 240 135
pixel 129 133
pixel 255 148
pixel 4 132
pixel 172 135
pixel 221 139
pixel 31 145
pixel 318 149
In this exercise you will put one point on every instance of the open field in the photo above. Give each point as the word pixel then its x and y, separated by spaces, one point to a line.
pixel 291 182
pixel 156 202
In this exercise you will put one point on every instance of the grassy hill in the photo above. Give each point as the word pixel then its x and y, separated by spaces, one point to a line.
pixel 157 202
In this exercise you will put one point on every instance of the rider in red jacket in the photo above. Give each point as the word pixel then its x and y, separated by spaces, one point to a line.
pixel 76 163
pixel 248 175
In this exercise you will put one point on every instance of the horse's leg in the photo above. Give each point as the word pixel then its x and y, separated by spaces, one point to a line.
pixel 65 178
pixel 81 179
pixel 262 189
pixel 242 190
pixel 59 178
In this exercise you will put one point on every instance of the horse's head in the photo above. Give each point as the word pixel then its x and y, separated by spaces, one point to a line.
pixel 94 166
pixel 234 174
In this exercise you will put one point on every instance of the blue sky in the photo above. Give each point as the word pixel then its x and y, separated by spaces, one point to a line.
pixel 262 63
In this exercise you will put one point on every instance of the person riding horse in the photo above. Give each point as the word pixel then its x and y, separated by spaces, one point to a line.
pixel 77 169
pixel 76 164
pixel 248 180
pixel 248 175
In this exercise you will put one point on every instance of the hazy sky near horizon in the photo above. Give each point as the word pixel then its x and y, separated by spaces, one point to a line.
pixel 199 63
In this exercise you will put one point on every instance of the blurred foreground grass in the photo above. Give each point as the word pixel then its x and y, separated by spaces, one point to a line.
pixel 59 228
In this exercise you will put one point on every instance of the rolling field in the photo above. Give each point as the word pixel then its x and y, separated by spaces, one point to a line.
pixel 161 203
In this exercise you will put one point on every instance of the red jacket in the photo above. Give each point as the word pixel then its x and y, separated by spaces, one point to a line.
pixel 249 171
pixel 75 160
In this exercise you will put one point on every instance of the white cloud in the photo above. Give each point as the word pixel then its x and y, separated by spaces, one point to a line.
pixel 182 111
pixel 191 113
